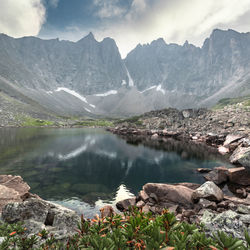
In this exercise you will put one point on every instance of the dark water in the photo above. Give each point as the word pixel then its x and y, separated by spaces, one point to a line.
pixel 87 168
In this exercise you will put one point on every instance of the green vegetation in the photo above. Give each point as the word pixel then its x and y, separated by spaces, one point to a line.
pixel 134 120
pixel 245 100
pixel 28 121
pixel 133 230
pixel 94 123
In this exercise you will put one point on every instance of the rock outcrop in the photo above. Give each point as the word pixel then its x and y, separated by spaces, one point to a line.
pixel 208 191
pixel 38 214
pixel 241 156
pixel 12 189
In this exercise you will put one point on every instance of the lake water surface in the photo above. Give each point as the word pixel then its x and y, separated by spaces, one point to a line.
pixel 85 169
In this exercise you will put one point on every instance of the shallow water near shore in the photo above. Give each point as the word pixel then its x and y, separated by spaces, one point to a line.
pixel 86 168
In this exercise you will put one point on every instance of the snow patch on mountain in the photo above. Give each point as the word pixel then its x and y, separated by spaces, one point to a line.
pixel 92 105
pixel 159 88
pixel 153 87
pixel 110 92
pixel 72 92
pixel 130 80
pixel 88 110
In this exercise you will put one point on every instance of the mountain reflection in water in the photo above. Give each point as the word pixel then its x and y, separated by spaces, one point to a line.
pixel 85 169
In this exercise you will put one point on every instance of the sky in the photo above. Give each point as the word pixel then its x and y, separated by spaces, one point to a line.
pixel 129 22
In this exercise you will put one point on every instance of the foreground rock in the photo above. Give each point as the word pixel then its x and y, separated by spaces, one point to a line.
pixel 241 156
pixel 208 191
pixel 218 175
pixel 176 194
pixel 231 222
pixel 196 203
pixel 12 189
pixel 38 214
pixel 239 176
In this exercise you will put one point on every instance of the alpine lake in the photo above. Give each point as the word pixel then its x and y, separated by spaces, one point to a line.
pixel 87 168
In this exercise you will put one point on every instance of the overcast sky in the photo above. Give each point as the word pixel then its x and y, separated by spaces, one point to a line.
pixel 129 22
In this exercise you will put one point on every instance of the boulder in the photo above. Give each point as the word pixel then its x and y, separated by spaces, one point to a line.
pixel 218 175
pixel 143 196
pixel 239 176
pixel 203 203
pixel 232 138
pixel 154 136
pixel 223 150
pixel 12 189
pixel 8 195
pixel 188 185
pixel 208 191
pixel 237 201
pixel 15 182
pixel 107 211
pixel 38 214
pixel 125 204
pixel 241 155
pixel 229 222
pixel 243 209
pixel 176 194
pixel 140 204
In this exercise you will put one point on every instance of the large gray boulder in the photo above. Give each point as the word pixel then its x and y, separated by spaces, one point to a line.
pixel 38 214
pixel 241 155
pixel 229 222
pixel 208 191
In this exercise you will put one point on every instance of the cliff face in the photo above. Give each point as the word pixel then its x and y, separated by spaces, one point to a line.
pixel 86 66
pixel 89 77
pixel 223 59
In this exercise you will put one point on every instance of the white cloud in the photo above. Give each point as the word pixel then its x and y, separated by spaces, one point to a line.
pixel 175 21
pixel 108 8
pixel 21 17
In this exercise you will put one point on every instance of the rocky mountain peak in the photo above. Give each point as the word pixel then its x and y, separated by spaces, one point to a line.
pixel 90 38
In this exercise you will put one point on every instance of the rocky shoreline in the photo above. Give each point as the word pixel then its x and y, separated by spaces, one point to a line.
pixel 223 201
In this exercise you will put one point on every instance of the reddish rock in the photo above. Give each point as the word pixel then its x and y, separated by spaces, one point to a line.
pixel 241 155
pixel 239 176
pixel 12 189
pixel 218 175
pixel 107 211
pixel 154 136
pixel 146 209
pixel 143 196
pixel 140 204
pixel 223 150
pixel 174 193
pixel 232 138
pixel 15 182
pixel 188 185
pixel 236 200
pixel 8 195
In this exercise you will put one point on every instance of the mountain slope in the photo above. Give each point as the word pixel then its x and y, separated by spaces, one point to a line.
pixel 88 78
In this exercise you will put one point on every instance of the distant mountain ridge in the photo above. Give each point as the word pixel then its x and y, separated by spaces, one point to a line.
pixel 90 77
